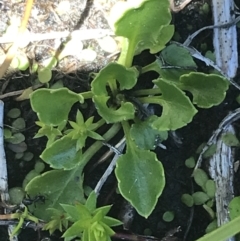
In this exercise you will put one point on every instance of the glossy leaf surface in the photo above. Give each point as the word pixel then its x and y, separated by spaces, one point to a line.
pixel 62 154
pixel 53 106
pixel 207 89
pixel 58 187
pixel 127 78
pixel 178 110
pixel 132 21
pixel 145 136
pixel 136 173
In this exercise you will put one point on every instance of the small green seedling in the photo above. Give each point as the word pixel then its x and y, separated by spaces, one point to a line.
pixel 88 221
pixel 168 216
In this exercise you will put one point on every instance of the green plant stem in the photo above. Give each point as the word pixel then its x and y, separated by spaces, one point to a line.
pixel 113 86
pixel 152 100
pixel 126 130
pixel 151 67
pixel 127 53
pixel 88 154
pixel 99 124
pixel 143 92
pixel 224 232
pixel 87 95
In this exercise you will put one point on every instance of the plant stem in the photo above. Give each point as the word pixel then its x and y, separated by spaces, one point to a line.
pixel 152 100
pixel 99 123
pixel 154 66
pixel 88 154
pixel 113 86
pixel 126 130
pixel 127 53
pixel 87 95
pixel 152 91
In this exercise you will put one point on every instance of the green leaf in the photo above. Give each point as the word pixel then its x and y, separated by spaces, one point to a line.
pixel 104 210
pixel 23 62
pixel 190 162
pixel 44 74
pixel 187 199
pixel 144 23
pixel 79 118
pixel 58 187
pixel 94 135
pixel 200 198
pixel 178 110
pixel 234 208
pixel 168 216
pixel 58 221
pixel 91 202
pixel 209 211
pixel 62 154
pixel 207 89
pixel 136 173
pixel 77 228
pixel 175 55
pixel 210 151
pixel 210 188
pixel 61 102
pixel 72 212
pixel 111 222
pixel 211 227
pixel 145 136
pixel 17 138
pixel 14 113
pixel 77 212
pixel 107 229
pixel 230 139
pixel 126 78
pixel 200 177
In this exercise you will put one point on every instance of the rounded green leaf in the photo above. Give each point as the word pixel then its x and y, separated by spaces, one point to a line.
pixel 44 74
pixel 53 106
pixel 16 195
pixel 28 156
pixel 14 113
pixel 200 198
pixel 190 162
pixel 136 173
pixel 234 208
pixel 168 216
pixel 187 199
pixel 17 138
pixel 39 166
pixel 207 89
pixel 62 154
pixel 178 110
pixel 182 59
pixel 19 124
pixel 230 139
pixel 210 151
pixel 211 226
pixel 126 78
pixel 210 188
pixel 200 177
pixel 132 20
pixel 23 62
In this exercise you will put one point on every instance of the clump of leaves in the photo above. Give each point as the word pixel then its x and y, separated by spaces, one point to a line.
pixel 88 221
pixel 139 173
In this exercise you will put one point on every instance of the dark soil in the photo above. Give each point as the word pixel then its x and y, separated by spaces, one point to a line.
pixel 85 15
